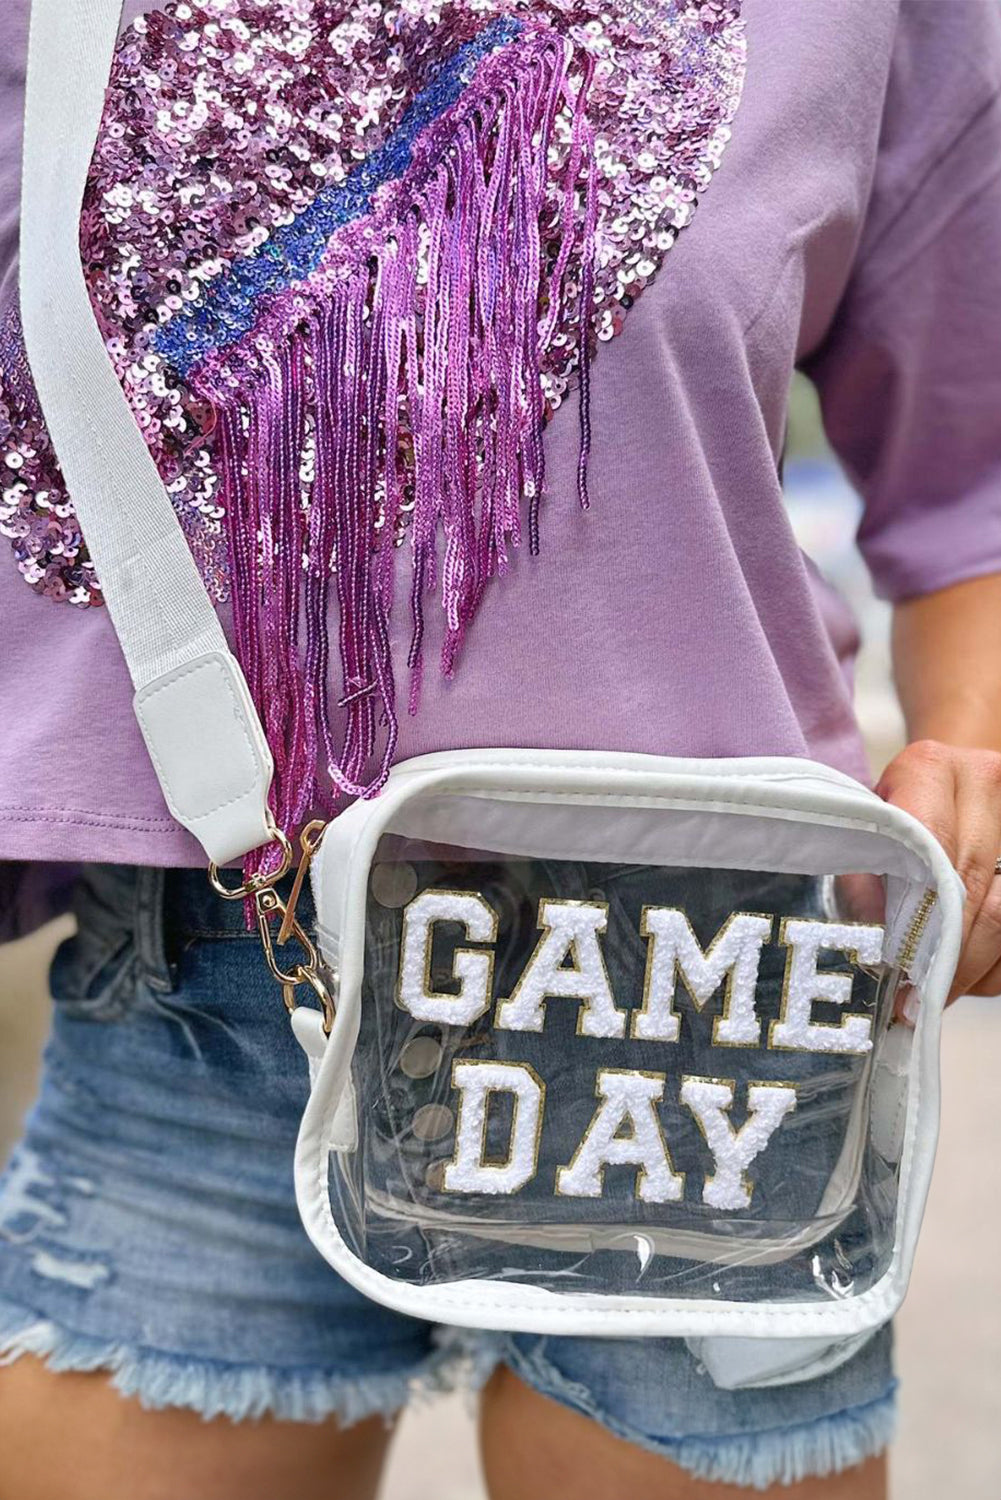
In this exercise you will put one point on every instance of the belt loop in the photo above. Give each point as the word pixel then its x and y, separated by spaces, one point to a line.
pixel 151 948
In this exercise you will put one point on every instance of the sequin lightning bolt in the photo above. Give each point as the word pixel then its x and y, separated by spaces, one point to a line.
pixel 348 260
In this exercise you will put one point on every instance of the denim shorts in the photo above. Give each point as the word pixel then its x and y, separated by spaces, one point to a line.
pixel 148 1226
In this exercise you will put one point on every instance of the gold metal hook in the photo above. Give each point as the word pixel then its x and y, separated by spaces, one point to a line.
pixel 260 881
pixel 268 906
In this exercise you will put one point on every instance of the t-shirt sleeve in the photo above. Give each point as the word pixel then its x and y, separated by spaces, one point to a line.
pixel 909 374
pixel 13 47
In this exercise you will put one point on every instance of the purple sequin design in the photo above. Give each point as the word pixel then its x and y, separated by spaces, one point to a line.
pixel 380 241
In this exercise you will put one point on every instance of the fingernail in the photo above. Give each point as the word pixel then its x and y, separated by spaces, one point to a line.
pixel 911 1006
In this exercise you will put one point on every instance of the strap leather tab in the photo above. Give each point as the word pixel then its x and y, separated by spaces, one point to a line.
pixel 203 737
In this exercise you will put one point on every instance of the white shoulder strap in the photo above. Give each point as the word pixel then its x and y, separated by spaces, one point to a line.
pixel 191 699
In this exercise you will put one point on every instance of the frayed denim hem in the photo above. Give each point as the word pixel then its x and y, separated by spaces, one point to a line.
pixel 471 1355
pixel 215 1388
pixel 753 1460
pixel 785 1455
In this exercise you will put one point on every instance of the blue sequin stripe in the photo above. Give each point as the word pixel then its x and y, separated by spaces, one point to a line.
pixel 295 250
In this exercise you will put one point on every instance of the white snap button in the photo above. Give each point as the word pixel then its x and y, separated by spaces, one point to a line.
pixel 432 1122
pixel 420 1057
pixel 393 885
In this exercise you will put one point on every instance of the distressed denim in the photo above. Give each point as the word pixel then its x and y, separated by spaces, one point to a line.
pixel 148 1225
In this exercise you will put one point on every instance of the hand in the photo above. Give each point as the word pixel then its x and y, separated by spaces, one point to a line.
pixel 956 793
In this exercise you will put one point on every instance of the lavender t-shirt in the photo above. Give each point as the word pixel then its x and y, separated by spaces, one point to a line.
pixel 854 230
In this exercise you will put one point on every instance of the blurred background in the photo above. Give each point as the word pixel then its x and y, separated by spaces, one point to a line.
pixel 949 1333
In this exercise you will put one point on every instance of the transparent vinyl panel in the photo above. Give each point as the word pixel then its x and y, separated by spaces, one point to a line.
pixel 596 1076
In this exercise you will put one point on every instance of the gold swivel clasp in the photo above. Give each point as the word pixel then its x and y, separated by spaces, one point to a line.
pixel 269 907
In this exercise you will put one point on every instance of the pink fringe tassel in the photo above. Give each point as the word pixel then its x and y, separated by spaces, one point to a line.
pixel 410 384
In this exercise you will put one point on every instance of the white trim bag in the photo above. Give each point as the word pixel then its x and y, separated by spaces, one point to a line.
pixel 615 1050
